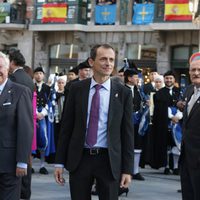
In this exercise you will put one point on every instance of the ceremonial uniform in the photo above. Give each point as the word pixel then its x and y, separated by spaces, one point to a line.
pixel 43 92
pixel 131 81
pixel 162 139
pixel 137 102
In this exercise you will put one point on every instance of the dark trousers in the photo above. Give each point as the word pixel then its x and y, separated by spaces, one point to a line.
pixel 93 167
pixel 9 186
pixel 26 184
pixel 190 181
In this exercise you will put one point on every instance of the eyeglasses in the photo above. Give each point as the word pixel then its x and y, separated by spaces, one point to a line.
pixel 195 70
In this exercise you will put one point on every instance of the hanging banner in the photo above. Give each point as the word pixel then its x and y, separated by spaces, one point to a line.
pixel 177 10
pixel 143 13
pixel 105 14
pixel 54 12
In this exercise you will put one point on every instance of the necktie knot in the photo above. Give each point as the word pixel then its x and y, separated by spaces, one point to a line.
pixel 98 87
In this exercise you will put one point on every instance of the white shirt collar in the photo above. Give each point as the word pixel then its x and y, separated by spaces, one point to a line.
pixel 17 69
pixel 3 85
pixel 106 84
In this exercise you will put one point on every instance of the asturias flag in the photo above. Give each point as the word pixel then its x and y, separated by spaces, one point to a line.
pixel 143 13
pixel 177 10
pixel 105 14
pixel 54 12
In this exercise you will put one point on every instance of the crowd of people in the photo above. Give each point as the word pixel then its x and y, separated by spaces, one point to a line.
pixel 102 127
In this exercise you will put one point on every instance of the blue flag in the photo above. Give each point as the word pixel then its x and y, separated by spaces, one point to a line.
pixel 105 14
pixel 143 13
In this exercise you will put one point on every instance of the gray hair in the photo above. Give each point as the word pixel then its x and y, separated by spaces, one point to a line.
pixel 5 59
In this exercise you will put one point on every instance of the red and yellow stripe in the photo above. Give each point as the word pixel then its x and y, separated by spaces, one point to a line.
pixel 54 12
pixel 177 10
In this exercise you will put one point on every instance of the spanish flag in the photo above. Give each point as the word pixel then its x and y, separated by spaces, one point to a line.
pixel 177 10
pixel 54 12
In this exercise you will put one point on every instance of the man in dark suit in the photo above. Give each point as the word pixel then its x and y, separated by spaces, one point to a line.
pixel 97 143
pixel 190 150
pixel 18 75
pixel 15 143
pixel 150 87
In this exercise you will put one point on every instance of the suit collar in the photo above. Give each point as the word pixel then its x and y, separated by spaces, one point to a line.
pixel 195 106
pixel 6 91
pixel 85 95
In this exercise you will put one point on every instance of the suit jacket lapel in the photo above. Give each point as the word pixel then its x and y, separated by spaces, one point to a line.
pixel 85 94
pixel 113 95
pixel 4 95
pixel 194 108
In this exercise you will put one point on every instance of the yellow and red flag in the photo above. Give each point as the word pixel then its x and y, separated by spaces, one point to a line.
pixel 54 12
pixel 177 10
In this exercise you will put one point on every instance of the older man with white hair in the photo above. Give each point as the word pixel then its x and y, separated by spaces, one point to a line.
pixel 190 151
pixel 15 143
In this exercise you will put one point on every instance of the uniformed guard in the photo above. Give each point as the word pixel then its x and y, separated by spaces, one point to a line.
pixel 131 81
pixel 43 91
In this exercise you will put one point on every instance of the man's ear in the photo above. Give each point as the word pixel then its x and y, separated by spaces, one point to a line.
pixel 91 62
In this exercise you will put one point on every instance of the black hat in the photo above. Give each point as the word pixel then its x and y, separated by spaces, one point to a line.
pixel 74 70
pixel 84 64
pixel 121 70
pixel 38 69
pixel 131 72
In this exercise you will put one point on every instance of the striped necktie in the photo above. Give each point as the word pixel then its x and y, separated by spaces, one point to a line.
pixel 91 138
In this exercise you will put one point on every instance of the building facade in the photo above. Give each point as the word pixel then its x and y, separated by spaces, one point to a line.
pixel 159 44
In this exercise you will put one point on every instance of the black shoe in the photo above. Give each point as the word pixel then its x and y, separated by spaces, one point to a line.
pixel 167 171
pixel 43 170
pixel 179 191
pixel 32 171
pixel 123 190
pixel 94 192
pixel 176 171
pixel 138 176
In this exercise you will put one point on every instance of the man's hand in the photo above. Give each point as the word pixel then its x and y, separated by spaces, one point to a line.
pixel 125 180
pixel 40 116
pixel 58 174
pixel 21 172
pixel 175 120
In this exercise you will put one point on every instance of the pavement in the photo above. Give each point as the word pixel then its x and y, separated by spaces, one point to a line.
pixel 156 186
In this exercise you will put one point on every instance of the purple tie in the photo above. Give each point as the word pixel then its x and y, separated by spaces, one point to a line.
pixel 91 138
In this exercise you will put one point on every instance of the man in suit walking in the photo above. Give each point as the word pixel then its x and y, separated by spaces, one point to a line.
pixel 190 151
pixel 18 75
pixel 96 138
pixel 15 143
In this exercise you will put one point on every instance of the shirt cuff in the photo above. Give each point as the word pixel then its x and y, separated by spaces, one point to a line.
pixel 59 165
pixel 22 165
